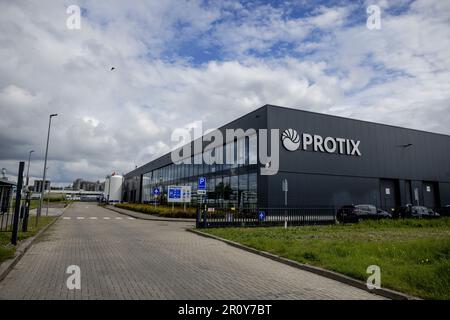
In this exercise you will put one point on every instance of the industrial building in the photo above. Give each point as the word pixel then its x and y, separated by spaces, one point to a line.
pixel 326 160
pixel 37 187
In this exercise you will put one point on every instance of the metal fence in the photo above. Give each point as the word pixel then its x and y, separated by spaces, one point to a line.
pixel 14 209
pixel 6 208
pixel 260 217
pixel 7 216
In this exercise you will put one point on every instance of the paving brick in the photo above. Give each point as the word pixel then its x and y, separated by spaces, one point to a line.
pixel 136 259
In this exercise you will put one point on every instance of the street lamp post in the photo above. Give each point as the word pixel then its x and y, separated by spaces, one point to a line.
pixel 48 199
pixel 108 177
pixel 38 214
pixel 28 168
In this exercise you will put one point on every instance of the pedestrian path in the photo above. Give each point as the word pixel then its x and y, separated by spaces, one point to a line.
pixel 98 218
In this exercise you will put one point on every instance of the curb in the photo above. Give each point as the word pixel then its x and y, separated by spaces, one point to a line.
pixel 150 218
pixel 387 293
pixel 8 265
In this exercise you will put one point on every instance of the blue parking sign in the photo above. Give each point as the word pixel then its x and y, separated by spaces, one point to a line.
pixel 201 183
pixel 175 193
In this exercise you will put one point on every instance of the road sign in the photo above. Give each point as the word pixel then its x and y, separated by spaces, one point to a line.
pixel 201 183
pixel 174 194
pixel 156 191
pixel 261 215
pixel 179 194
pixel 201 191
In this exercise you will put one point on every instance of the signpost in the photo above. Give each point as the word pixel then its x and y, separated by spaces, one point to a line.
pixel 284 187
pixel 156 193
pixel 201 191
pixel 201 188
pixel 179 194
pixel 17 204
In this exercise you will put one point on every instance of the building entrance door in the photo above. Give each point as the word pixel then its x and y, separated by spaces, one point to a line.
pixel 430 194
pixel 389 193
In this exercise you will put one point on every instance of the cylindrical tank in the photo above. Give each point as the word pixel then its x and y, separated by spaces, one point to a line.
pixel 115 188
pixel 106 192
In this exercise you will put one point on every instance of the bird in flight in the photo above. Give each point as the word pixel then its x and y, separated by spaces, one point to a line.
pixel 113 68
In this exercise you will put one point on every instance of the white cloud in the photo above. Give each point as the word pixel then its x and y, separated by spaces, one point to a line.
pixel 114 120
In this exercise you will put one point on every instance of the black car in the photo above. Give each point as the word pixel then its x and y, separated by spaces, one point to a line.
pixel 410 211
pixel 355 213
pixel 423 212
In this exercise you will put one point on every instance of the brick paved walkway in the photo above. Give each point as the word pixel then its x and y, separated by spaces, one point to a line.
pixel 126 258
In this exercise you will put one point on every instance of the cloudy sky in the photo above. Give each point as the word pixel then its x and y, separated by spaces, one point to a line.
pixel 182 61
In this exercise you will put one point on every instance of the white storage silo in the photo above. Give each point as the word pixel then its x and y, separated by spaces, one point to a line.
pixel 106 192
pixel 115 188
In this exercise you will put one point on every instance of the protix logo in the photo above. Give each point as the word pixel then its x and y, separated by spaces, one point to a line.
pixel 292 141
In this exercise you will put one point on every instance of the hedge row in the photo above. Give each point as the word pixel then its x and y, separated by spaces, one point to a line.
pixel 162 211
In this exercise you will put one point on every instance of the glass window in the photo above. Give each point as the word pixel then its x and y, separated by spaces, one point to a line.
pixel 240 150
pixel 226 188
pixel 228 156
pixel 234 183
pixel 146 187
pixel 252 188
pixel 243 189
pixel 252 149
pixel 206 166
pixel 189 170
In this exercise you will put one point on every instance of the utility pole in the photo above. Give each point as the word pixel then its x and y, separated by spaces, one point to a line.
pixel 38 213
pixel 28 168
pixel 48 200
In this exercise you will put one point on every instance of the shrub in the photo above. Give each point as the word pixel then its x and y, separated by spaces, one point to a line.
pixel 162 211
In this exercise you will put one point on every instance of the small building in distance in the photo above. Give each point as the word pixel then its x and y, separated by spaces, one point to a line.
pixel 37 186
pixel 80 184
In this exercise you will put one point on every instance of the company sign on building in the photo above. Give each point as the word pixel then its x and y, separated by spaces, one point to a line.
pixel 292 142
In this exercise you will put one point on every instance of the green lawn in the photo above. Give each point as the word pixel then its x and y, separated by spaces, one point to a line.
pixel 6 250
pixel 413 254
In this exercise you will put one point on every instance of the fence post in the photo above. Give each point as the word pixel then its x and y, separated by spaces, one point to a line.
pixel 334 214
pixel 27 213
pixel 197 220
pixel 17 204
pixel 204 219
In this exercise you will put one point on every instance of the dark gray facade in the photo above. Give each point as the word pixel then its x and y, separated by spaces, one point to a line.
pixel 396 166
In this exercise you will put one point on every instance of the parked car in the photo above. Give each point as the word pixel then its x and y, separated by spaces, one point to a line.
pixel 355 213
pixel 423 212
pixel 383 214
pixel 410 211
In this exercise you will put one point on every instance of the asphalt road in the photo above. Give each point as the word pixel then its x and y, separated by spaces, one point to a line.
pixel 125 258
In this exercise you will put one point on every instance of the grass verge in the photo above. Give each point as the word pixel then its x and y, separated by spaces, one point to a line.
pixel 7 250
pixel 413 254
pixel 160 210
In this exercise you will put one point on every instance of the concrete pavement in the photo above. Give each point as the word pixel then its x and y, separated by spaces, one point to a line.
pixel 125 258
